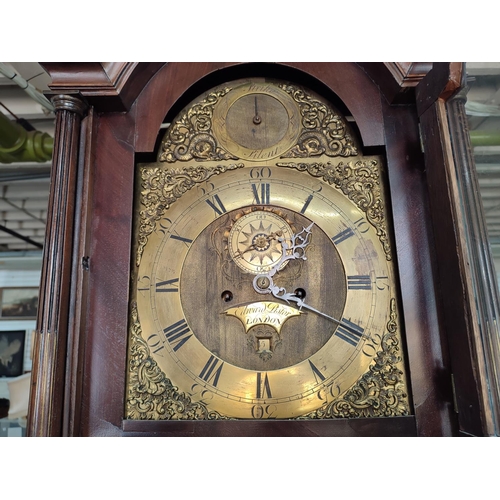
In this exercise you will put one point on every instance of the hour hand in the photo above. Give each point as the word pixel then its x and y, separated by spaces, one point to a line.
pixel 263 283
pixel 296 250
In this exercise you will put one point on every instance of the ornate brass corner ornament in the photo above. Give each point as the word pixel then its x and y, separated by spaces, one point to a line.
pixel 360 181
pixel 191 138
pixel 162 187
pixel 381 391
pixel 325 132
pixel 151 395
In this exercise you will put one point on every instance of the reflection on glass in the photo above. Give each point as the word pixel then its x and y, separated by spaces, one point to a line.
pixel 483 113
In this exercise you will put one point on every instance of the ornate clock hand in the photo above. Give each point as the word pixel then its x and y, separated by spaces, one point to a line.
pixel 282 294
pixel 263 283
pixel 297 248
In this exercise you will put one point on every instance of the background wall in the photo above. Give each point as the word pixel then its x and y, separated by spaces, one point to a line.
pixel 22 271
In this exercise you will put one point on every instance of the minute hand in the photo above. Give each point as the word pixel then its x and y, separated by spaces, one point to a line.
pixel 263 283
pixel 352 330
pixel 281 293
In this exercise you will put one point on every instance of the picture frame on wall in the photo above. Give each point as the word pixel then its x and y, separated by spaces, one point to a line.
pixel 12 353
pixel 18 302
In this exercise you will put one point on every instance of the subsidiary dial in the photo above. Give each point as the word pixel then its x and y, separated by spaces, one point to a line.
pixel 253 241
pixel 256 121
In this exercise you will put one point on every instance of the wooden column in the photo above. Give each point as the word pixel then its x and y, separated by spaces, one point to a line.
pixel 467 286
pixel 481 277
pixel 47 393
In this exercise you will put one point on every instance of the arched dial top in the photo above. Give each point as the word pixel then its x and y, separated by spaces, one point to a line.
pixel 256 121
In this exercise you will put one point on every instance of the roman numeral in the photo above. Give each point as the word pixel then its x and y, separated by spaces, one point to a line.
pixel 347 233
pixel 359 282
pixel 306 204
pixel 265 193
pixel 212 370
pixel 263 387
pixel 217 205
pixel 162 286
pixel 349 332
pixel 180 238
pixel 317 374
pixel 178 334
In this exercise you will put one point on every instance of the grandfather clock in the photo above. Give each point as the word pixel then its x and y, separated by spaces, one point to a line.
pixel 263 250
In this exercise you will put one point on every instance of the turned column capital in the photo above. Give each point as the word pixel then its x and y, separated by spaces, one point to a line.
pixel 65 102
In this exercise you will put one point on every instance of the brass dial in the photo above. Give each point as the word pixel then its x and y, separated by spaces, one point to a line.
pixel 256 121
pixel 201 341
pixel 264 288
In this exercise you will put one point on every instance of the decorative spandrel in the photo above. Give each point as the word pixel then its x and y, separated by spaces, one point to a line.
pixel 151 395
pixel 325 131
pixel 161 188
pixel 381 391
pixel 359 180
pixel 196 134
pixel 191 137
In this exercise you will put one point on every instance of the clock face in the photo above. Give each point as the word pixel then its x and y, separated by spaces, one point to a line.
pixel 263 288
pixel 257 121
